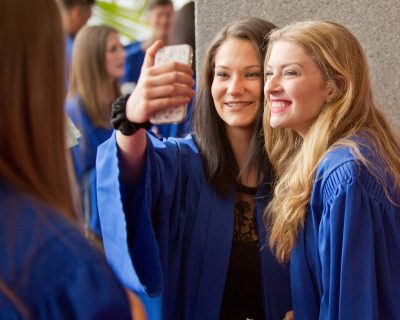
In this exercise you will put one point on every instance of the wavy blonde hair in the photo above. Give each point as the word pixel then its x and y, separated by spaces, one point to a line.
pixel 89 78
pixel 351 111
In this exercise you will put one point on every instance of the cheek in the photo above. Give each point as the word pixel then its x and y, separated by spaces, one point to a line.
pixel 109 61
pixel 110 64
pixel 258 91
pixel 215 92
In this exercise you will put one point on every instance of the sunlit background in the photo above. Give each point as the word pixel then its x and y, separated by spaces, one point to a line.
pixel 127 16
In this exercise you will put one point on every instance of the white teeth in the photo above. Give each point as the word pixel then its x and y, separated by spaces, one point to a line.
pixel 278 104
pixel 237 104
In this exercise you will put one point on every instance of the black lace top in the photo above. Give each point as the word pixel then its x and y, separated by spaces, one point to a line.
pixel 243 294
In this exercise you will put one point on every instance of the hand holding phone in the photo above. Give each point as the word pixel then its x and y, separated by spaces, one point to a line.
pixel 181 53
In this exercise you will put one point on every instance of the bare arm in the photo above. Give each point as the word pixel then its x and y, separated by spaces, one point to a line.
pixel 158 87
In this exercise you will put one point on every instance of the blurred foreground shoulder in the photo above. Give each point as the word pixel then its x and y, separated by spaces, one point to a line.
pixel 49 268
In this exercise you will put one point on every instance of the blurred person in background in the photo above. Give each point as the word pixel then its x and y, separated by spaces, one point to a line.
pixel 160 14
pixel 48 270
pixel 97 65
pixel 183 32
pixel 75 14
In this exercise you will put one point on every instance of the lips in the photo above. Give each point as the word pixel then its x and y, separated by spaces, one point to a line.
pixel 238 104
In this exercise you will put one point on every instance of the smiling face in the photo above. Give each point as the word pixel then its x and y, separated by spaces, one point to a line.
pixel 236 88
pixel 294 88
pixel 115 57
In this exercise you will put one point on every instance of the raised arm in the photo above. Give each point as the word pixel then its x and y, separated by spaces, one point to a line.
pixel 159 87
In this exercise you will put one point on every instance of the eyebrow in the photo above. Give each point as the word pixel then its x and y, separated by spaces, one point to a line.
pixel 287 64
pixel 246 67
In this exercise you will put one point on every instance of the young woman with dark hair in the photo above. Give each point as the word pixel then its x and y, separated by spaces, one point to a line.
pixel 190 219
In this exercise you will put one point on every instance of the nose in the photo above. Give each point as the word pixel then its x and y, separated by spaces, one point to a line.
pixel 235 86
pixel 272 85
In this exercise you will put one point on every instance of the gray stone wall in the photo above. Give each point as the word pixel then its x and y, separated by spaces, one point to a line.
pixel 375 23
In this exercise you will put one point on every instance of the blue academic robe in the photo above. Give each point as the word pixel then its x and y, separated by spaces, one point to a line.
pixel 134 61
pixel 49 267
pixel 84 159
pixel 176 232
pixel 346 262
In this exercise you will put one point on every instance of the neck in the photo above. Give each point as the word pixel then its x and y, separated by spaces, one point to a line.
pixel 240 143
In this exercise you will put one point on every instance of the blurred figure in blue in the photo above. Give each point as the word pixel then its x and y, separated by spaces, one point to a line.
pixel 98 62
pixel 75 14
pixel 47 268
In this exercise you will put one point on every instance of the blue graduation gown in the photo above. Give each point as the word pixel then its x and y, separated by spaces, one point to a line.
pixel 346 262
pixel 134 61
pixel 49 267
pixel 84 159
pixel 176 232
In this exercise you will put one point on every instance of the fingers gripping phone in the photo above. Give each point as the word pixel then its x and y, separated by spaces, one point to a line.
pixel 181 53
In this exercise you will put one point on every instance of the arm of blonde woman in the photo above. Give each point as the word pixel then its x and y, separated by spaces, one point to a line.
pixel 159 87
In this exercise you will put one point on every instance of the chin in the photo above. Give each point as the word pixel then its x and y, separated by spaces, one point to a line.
pixel 276 124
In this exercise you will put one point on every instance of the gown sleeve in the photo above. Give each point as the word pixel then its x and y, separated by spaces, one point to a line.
pixel 358 246
pixel 127 212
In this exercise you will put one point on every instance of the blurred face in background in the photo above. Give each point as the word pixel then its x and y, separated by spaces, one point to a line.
pixel 115 57
pixel 160 18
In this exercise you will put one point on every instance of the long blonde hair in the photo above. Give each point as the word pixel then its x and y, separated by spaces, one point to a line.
pixel 351 110
pixel 89 78
pixel 33 155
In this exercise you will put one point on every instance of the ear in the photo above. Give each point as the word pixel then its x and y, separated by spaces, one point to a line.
pixel 331 90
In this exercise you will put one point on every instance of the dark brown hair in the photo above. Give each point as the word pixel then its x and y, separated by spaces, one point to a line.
pixel 71 3
pixel 208 127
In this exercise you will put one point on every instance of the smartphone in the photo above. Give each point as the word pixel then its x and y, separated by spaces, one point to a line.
pixel 181 53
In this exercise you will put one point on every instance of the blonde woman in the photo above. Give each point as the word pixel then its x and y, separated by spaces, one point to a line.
pixel 97 64
pixel 47 268
pixel 335 211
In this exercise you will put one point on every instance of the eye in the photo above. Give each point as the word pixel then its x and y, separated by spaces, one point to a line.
pixel 113 49
pixel 221 74
pixel 253 74
pixel 268 75
pixel 290 73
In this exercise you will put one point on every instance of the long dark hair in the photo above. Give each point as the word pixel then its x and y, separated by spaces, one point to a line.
pixel 208 127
